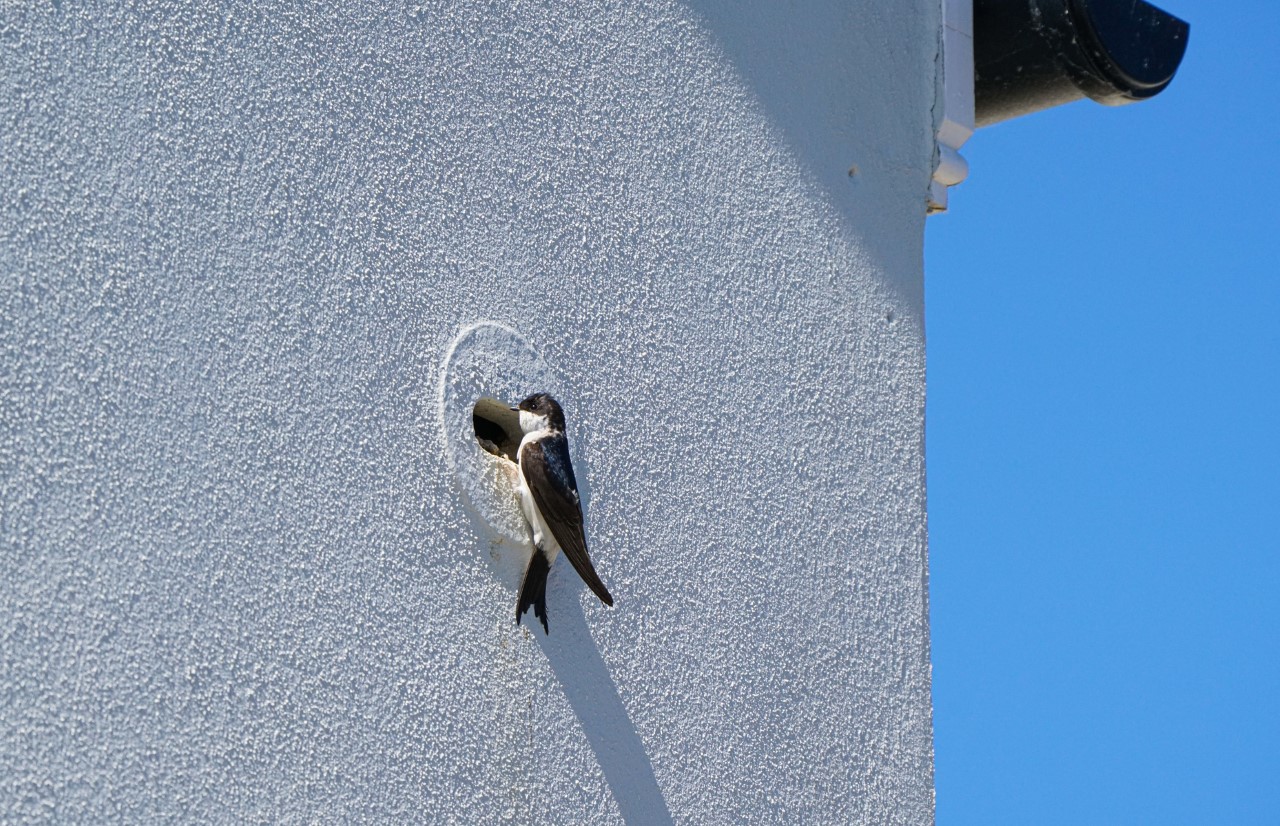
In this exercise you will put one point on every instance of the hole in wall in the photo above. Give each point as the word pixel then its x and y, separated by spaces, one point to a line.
pixel 497 428
pixel 486 363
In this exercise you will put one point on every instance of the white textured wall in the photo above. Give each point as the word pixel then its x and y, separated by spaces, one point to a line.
pixel 239 579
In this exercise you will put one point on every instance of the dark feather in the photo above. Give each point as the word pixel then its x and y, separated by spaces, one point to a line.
pixel 549 474
pixel 533 591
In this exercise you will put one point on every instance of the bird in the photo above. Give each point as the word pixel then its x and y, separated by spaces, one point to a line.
pixel 550 503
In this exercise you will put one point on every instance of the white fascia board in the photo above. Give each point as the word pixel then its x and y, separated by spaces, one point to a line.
pixel 956 125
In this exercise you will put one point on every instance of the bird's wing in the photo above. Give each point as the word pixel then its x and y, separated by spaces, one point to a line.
pixel 549 474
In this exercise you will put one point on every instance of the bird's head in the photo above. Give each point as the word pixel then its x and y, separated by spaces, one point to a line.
pixel 540 412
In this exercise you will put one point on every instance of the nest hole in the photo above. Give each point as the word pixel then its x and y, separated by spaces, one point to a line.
pixel 497 428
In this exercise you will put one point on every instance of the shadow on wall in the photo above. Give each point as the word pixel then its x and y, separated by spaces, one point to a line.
pixel 848 87
pixel 594 698
pixel 790 55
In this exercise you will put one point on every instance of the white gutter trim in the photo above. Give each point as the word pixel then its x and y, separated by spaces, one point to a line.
pixel 957 122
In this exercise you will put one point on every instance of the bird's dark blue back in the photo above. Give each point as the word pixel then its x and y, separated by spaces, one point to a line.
pixel 556 451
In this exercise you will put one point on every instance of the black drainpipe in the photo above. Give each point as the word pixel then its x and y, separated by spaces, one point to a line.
pixel 1033 54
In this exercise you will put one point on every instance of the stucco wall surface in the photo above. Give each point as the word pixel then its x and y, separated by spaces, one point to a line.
pixel 241 579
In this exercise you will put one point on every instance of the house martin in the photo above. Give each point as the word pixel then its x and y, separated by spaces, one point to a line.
pixel 550 503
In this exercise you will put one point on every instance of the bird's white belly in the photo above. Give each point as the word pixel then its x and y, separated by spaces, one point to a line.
pixel 542 535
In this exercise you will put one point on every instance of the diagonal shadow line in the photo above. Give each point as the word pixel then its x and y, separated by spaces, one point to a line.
pixel 594 698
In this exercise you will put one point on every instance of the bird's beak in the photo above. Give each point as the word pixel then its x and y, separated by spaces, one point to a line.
pixel 515 410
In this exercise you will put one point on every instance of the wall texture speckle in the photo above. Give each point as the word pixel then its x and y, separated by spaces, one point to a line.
pixel 240 581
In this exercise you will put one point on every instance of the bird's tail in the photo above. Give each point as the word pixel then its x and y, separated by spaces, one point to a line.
pixel 533 591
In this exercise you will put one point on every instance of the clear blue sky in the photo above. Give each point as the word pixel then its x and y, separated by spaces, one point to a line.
pixel 1103 316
